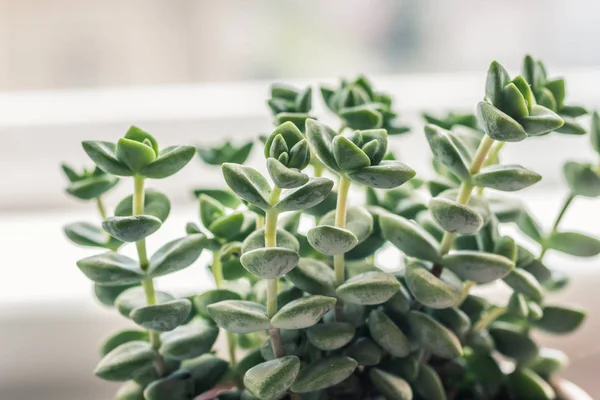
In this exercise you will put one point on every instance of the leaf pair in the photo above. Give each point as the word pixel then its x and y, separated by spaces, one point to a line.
pixel 88 184
pixel 331 240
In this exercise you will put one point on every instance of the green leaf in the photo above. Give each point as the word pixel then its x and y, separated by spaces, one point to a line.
pixel 595 131
pixel 574 243
pixel 298 119
pixel 86 234
pixel 111 269
pixel 122 337
pixel 248 184
pixel 136 134
pixel 454 217
pixel 386 175
pixel 478 267
pixel 497 78
pixel 284 177
pixel 136 155
pixel 505 246
pixel 540 121
pixel 391 386
pixel 202 301
pixel 387 335
pixel 573 111
pixel 289 133
pixel 549 362
pixel 331 240
pixel 188 341
pixel 176 255
pixel 162 317
pixel 271 379
pixel 525 90
pixel 428 289
pixel 480 341
pixel 369 288
pixel 270 262
pixel 177 386
pixel 319 137
pixel 361 117
pixel 92 187
pixel 364 351
pixel 523 383
pixel 103 154
pixel 225 197
pixel 206 370
pixel 131 390
pixel 498 125
pixel 229 226
pixel 210 210
pixel 530 227
pixel 409 237
pixel 313 276
pixel 324 373
pixel 508 178
pixel 135 297
pixel 513 343
pixel 155 203
pixel 302 313
pixel 433 336
pixel 348 155
pixel 453 318
pixel 133 228
pixel 299 155
pixel 583 179
pixel 561 320
pixel 359 221
pixel 239 316
pixel 513 102
pixel 306 196
pixel 525 283
pixel 225 153
pixel 126 361
pixel 428 384
pixel 256 240
pixel 170 160
pixel 330 336
pixel 571 126
pixel 380 136
pixel 446 152
pixel 517 305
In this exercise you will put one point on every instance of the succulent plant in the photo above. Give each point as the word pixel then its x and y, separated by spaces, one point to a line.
pixel 300 298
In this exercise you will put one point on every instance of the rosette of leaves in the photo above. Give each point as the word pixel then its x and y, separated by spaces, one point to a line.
pixel 289 104
pixel 361 107
pixel 287 154
pixel 227 152
pixel 509 111
pixel 551 94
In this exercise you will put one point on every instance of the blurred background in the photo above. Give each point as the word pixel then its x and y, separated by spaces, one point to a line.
pixel 197 72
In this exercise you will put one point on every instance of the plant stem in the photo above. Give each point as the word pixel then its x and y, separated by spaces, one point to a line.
pixel 260 222
pixel 492 157
pixel 271 241
pixel 217 270
pixel 488 318
pixel 101 208
pixel 148 284
pixel 464 292
pixel 340 222
pixel 559 218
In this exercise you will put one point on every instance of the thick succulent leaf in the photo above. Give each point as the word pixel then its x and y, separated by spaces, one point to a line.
pixel 320 137
pixel 359 221
pixel 561 319
pixel 523 383
pixel 324 373
pixel 92 187
pixel 331 240
pixel 248 184
pixel 541 120
pixel 126 361
pixel 177 386
pixel 525 283
pixel 513 343
pixel 271 379
pixel 135 297
pixel 429 289
pixel 595 132
pixel 583 179
pixel 508 178
pixel 454 217
pixel 477 266
pixel 155 203
pixel 330 336
pixel 169 161
pixel 525 90
pixel 225 197
pixel 256 240
pixel 428 384
pixel 391 386
pixel 111 269
pixel 136 155
pixel 133 228
pixel 433 336
pixel 446 152
pixel 313 276
pixel 302 313
pixel 103 154
pixel 361 117
pixel 354 314
pixel 453 318
pixel 306 196
pixel 409 237
pixel 162 317
pixel 529 226
pixel 284 177
pixel 86 234
pixel 108 294
pixel 380 136
pixel 505 246
pixel 348 155
pixel 571 126
pixel 206 371
pixel 270 262
pixel 298 119
pixel 499 125
pixel 239 316
pixel 549 362
pixel 176 255
pixel 210 210
pixel 364 351
pixel 574 243
pixel 497 78
pixel 131 390
pixel 514 103
pixel 369 288
pixel 290 134
pixel 202 301
pixel 228 227
pixel 506 209
pixel 122 337
pixel 387 335
pixel 386 175
pixel 517 305
pixel 188 341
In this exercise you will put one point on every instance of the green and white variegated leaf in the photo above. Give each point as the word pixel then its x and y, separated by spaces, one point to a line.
pixel 132 228
pixel 508 178
pixel 189 341
pixel 313 276
pixel 409 237
pixel 324 373
pixel 238 316
pixel 126 361
pixel 387 335
pixel 271 379
pixel 306 196
pixel 330 336
pixel 454 217
pixel 270 262
pixel 248 184
pixel 302 313
pixel 369 288
pixel 428 289
pixel 162 317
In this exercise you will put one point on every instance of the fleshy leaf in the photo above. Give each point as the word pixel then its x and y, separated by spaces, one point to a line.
pixel 202 301
pixel 574 243
pixel 524 383
pixel 270 262
pixel 302 313
pixel 455 217
pixel 386 175
pixel 247 183
pixel 178 385
pixel 499 125
pixel 508 178
pixel 121 337
pixel 103 154
pixel 126 361
pixel 271 379
pixel 284 177
pixel 313 276
pixel 478 267
pixel 428 384
pixel 331 240
pixel 364 351
pixel 320 137
pixel 348 155
pixel 135 297
pixel 155 203
pixel 513 343
pixel 409 237
pixel 111 269
pixel 86 234
pixel 560 319
pixel 330 336
pixel 133 228
pixel 433 336
pixel 387 335
pixel 361 117
pixel 369 288
pixel 169 161
pixel 238 316
pixel 136 155
pixel 176 255
pixel 92 187
pixel 525 283
pixel 541 120
pixel 162 317
pixel 446 152
pixel 306 196
pixel 189 341
pixel 428 289
pixel 583 179
pixel 323 373
pixel 391 386
pixel 256 240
